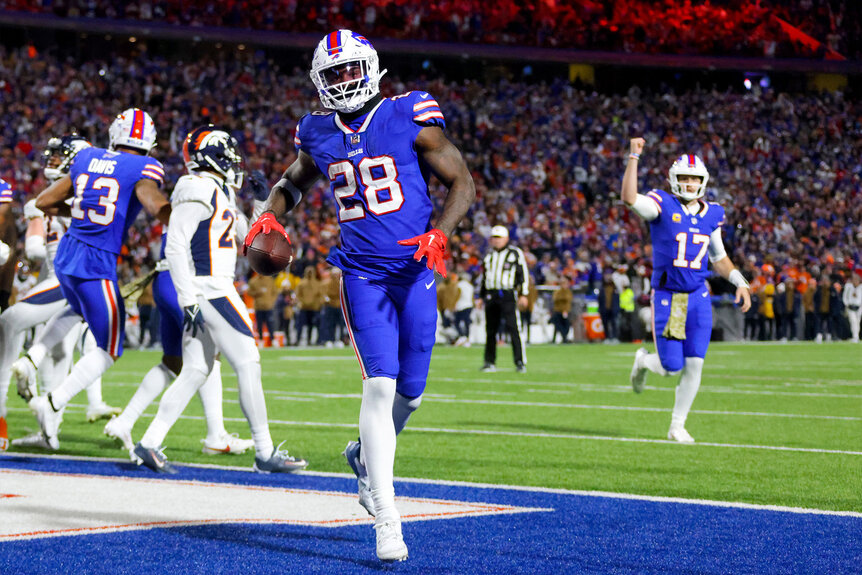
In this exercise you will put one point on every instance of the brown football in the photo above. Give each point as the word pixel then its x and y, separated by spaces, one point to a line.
pixel 269 253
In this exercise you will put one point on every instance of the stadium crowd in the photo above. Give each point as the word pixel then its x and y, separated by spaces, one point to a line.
pixel 547 160
pixel 714 27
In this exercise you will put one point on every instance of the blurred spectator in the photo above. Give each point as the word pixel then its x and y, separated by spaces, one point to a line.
pixel 447 298
pixel 809 307
pixel 853 303
pixel 331 317
pixel 824 299
pixel 285 309
pixel 309 294
pixel 609 307
pixel 788 302
pixel 464 309
pixel 562 307
pixel 264 291
pixel 628 324
pixel 766 312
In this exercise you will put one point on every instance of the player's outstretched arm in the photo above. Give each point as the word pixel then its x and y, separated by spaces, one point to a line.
pixel 448 166
pixel 288 191
pixel 630 178
pixel 725 268
pixel 52 200
pixel 283 197
pixel 153 200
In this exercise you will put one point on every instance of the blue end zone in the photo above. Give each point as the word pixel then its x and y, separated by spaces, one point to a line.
pixel 584 534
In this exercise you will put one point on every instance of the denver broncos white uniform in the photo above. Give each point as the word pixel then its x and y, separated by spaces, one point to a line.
pixel 201 253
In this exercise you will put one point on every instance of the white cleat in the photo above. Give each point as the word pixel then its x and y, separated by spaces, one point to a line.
pixel 639 372
pixel 24 374
pixel 390 543
pixel 36 440
pixel 102 411
pixel 227 443
pixel 678 433
pixel 49 420
pixel 119 432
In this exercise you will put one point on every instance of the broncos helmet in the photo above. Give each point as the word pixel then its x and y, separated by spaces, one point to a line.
pixel 345 70
pixel 688 165
pixel 133 128
pixel 59 153
pixel 212 149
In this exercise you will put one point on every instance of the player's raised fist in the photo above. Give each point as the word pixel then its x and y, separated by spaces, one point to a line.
pixel 431 245
pixel 636 145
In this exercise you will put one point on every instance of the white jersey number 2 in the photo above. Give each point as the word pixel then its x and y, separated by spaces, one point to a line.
pixel 376 175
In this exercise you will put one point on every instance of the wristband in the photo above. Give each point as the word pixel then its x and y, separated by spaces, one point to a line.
pixel 737 280
pixel 634 156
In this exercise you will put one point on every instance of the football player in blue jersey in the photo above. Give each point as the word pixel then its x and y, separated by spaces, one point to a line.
pixel 684 229
pixel 45 299
pixel 109 187
pixel 377 155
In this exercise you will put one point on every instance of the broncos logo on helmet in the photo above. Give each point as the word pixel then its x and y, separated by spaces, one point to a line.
pixel 212 149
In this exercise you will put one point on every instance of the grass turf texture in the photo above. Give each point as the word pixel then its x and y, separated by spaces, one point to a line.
pixel 564 424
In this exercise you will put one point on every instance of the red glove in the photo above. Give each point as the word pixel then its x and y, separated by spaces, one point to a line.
pixel 432 244
pixel 265 223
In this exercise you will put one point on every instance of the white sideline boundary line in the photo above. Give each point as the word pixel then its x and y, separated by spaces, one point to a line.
pixel 527 488
pixel 80 409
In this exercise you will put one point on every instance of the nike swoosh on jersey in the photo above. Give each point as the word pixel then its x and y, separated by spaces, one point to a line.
pixel 428 285
pixel 423 96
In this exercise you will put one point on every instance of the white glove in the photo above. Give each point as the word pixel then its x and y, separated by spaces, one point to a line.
pixel 5 252
pixel 31 211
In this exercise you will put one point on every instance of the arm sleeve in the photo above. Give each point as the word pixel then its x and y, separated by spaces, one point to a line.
pixel 716 246
pixel 185 218
pixel 646 208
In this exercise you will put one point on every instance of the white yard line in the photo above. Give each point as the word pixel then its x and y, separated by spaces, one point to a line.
pixel 430 398
pixel 595 387
pixel 81 409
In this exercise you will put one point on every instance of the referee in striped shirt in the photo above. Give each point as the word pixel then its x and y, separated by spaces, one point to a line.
pixel 505 285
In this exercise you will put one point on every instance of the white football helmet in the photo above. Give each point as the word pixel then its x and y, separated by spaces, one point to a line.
pixel 688 165
pixel 133 128
pixel 59 153
pixel 345 70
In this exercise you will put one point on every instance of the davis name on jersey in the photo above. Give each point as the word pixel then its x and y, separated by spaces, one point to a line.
pixel 379 186
pixel 681 242
pixel 213 249
pixel 105 203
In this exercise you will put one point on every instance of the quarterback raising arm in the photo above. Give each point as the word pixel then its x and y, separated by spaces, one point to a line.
pixel 648 209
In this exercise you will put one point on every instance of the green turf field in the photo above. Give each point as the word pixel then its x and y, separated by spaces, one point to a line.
pixel 774 424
